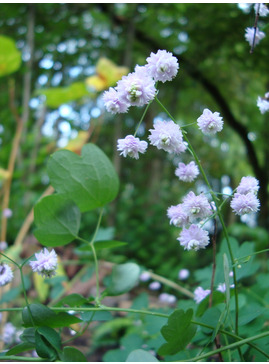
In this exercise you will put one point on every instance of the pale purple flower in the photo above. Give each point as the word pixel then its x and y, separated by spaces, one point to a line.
pixel 131 146
pixel 9 333
pixel 231 274
pixel 137 88
pixel 193 238
pixel 248 184
pixel 183 274
pixel 200 294
pixel 177 216
pixel 187 172
pixel 3 245
pixel 144 277
pixel 6 274
pixel 250 36
pixel 196 206
pixel 245 204
pixel 7 213
pixel 263 10
pixel 45 263
pixel 222 287
pixel 263 104
pixel 162 66
pixel 113 103
pixel 154 286
pixel 168 136
pixel 210 123
pixel 167 298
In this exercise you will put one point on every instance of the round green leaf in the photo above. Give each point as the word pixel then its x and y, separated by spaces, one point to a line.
pixel 10 57
pixel 57 220
pixel 141 356
pixel 71 354
pixel 124 278
pixel 90 180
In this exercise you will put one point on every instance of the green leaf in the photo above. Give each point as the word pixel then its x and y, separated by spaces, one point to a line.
pixel 72 300
pixel 51 336
pixel 90 180
pixel 10 57
pixel 124 277
pixel 140 355
pixel 178 332
pixel 57 220
pixel 24 346
pixel 57 96
pixel 71 354
pixel 28 335
pixel 43 316
pixel 43 347
pixel 103 244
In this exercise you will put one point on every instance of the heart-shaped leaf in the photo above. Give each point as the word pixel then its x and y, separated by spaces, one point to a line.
pixel 140 355
pixel 178 332
pixel 57 220
pixel 90 180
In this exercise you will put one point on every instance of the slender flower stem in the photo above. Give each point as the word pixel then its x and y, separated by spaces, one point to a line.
pixel 218 212
pixel 142 118
pixel 97 298
pixel 20 358
pixel 26 299
pixel 11 260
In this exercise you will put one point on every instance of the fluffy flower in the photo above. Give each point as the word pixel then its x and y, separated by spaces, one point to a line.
pixel 162 66
pixel 3 245
pixel 263 10
pixel 263 103
pixel 6 274
pixel 154 286
pixel 248 184
pixel 200 294
pixel 177 216
pixel 193 238
pixel 137 88
pixel 7 213
pixel 245 204
pixel 9 333
pixel 187 172
pixel 250 36
pixel 183 274
pixel 45 263
pixel 168 136
pixel 196 206
pixel 113 103
pixel 131 146
pixel 209 122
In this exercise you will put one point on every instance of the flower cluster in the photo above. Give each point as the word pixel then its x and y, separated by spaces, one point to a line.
pixel 187 215
pixel 200 294
pixel 245 200
pixel 261 9
pixel 131 146
pixel 167 298
pixel 45 263
pixel 263 103
pixel 183 274
pixel 138 87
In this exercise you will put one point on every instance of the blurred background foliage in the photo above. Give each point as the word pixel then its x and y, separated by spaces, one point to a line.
pixel 71 53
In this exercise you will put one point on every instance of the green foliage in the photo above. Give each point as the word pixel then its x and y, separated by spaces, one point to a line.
pixel 10 57
pixel 43 316
pixel 140 355
pixel 57 220
pixel 72 300
pixel 90 180
pixel 124 277
pixel 57 96
pixel 71 354
pixel 178 332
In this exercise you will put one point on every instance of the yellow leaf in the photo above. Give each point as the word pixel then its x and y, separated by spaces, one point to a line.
pixel 41 287
pixel 96 83
pixel 76 144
